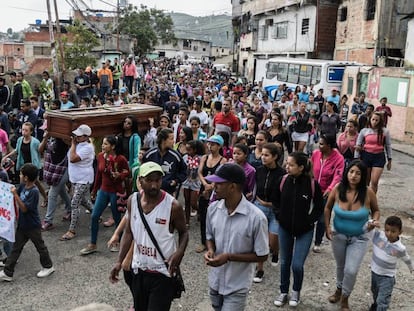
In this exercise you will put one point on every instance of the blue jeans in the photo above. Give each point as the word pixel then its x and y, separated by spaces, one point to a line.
pixel 381 288
pixel 320 227
pixel 102 200
pixel 293 252
pixel 272 222
pixel 349 251
pixel 52 200
pixel 102 91
pixel 233 302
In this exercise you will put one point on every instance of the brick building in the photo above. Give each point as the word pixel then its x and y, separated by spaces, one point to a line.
pixel 372 32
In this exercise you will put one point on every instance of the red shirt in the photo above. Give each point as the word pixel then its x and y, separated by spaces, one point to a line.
pixel 228 123
pixel 104 179
pixel 387 112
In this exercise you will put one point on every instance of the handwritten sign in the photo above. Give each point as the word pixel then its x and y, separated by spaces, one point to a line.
pixel 7 212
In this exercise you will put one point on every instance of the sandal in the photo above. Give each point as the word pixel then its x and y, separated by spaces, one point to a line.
pixel 201 248
pixel 109 223
pixel 68 236
pixel 44 204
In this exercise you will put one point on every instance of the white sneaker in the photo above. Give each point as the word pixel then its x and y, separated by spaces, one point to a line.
pixel 4 277
pixel 258 278
pixel 294 299
pixel 281 300
pixel 45 272
pixel 317 249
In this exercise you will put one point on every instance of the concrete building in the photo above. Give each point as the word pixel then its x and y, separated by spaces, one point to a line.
pixel 185 48
pixel 287 28
pixel 219 51
pixel 372 32
pixel 409 46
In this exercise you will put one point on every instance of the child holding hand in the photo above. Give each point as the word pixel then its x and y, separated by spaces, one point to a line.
pixel 386 251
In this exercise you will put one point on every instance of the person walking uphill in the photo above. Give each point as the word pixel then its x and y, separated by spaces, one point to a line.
pixel 151 282
pixel 237 238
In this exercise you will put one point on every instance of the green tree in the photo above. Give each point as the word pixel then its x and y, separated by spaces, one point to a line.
pixel 147 27
pixel 77 46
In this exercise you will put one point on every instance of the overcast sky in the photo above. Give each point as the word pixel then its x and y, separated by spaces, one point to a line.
pixel 17 14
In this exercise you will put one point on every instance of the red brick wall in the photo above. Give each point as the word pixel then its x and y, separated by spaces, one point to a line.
pixel 327 16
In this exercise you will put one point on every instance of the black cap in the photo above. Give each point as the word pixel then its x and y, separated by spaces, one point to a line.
pixel 228 172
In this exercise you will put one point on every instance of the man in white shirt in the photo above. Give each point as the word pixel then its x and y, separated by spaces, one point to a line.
pixel 202 115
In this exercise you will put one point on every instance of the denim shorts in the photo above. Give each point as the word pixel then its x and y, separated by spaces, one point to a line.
pixel 373 159
pixel 271 218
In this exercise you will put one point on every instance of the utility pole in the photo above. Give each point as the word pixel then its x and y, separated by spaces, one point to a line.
pixel 58 34
pixel 55 61
pixel 117 26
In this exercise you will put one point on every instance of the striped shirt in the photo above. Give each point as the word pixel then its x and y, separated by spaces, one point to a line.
pixel 385 255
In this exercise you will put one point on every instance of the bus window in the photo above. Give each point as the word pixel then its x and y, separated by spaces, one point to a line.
pixel 293 74
pixel 316 75
pixel 282 72
pixel 305 74
pixel 271 71
pixel 335 74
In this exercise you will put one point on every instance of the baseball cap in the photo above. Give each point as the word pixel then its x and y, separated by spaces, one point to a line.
pixel 82 130
pixel 123 89
pixel 335 89
pixel 64 93
pixel 115 92
pixel 150 167
pixel 228 172
pixel 216 139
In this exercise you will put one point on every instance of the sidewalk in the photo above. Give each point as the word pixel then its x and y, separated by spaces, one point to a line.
pixel 404 148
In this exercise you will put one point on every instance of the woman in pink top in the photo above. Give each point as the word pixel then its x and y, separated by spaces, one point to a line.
pixel 328 167
pixel 370 147
pixel 347 140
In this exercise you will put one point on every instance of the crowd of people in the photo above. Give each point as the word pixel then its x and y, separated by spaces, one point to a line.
pixel 259 176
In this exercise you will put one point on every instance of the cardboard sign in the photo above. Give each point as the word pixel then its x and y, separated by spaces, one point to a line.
pixel 7 212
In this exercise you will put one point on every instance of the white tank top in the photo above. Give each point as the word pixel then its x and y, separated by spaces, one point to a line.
pixel 146 256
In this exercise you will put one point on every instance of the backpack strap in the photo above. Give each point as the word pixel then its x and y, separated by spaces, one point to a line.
pixel 282 182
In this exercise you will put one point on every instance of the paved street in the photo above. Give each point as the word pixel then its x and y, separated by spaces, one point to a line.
pixel 83 280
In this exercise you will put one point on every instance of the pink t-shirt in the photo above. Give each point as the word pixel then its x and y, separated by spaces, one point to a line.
pixel 4 139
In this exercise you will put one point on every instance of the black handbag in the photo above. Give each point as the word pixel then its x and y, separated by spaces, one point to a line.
pixel 177 279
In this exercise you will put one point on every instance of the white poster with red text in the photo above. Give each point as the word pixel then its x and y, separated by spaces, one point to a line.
pixel 7 212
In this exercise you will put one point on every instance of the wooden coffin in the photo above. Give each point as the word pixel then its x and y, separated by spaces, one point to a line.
pixel 102 120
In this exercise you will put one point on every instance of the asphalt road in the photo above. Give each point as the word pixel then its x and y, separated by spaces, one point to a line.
pixel 82 280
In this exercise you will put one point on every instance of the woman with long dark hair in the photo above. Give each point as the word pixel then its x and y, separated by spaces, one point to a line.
pixel 296 214
pixel 347 140
pixel 112 169
pixel 356 212
pixel 279 134
pixel 267 179
pixel 255 156
pixel 370 145
pixel 129 140
pixel 300 123
pixel 328 167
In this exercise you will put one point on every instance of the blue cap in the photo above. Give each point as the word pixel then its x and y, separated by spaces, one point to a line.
pixel 216 139
pixel 123 90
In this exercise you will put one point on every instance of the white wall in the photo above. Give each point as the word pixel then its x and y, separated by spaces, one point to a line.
pixel 295 41
pixel 409 48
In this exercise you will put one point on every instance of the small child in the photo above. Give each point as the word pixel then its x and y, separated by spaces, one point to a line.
pixel 28 225
pixel 192 185
pixel 386 251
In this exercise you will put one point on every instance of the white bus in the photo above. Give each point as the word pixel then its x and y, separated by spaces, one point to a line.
pixel 321 74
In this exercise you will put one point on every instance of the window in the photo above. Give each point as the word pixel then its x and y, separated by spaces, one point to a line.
pixel 371 4
pixel 217 50
pixel 204 49
pixel 41 50
pixel 305 74
pixel 350 85
pixel 343 14
pixel 280 30
pixel 222 50
pixel 271 71
pixel 195 48
pixel 282 72
pixel 264 32
pixel 293 73
pixel 186 44
pixel 316 75
pixel 305 26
